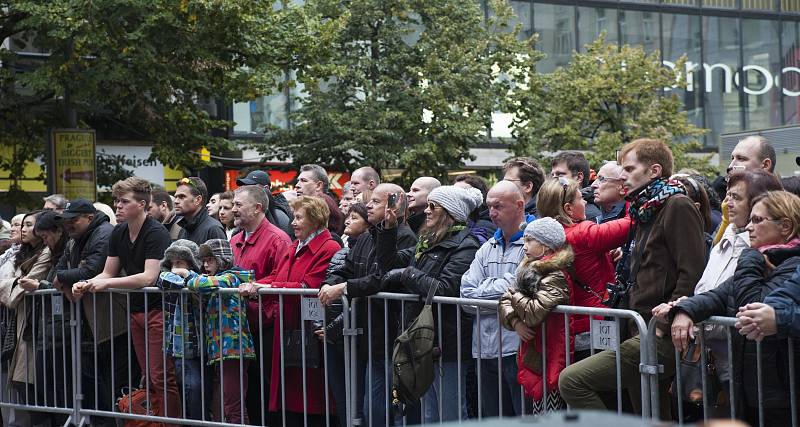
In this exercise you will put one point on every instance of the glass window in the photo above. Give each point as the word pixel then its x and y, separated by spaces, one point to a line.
pixel 593 21
pixel 761 65
pixel 682 36
pixel 556 27
pixel 791 6
pixel 252 117
pixel 720 4
pixel 790 77
pixel 639 29
pixel 721 97
pixel 758 4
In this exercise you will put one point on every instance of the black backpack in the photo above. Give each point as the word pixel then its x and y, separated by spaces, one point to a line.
pixel 413 357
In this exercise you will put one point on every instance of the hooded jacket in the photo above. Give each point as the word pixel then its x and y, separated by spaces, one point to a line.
pixel 223 333
pixel 533 308
pixel 490 275
pixel 751 282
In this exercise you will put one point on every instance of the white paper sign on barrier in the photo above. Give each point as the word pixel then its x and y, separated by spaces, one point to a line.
pixel 312 309
pixel 604 334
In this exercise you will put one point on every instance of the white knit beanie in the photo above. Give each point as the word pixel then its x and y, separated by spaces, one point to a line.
pixel 548 232
pixel 458 202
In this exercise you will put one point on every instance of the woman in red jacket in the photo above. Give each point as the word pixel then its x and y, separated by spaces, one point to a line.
pixel 302 266
pixel 593 267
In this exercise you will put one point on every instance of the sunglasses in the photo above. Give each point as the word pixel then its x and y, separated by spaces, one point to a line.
pixel 564 185
pixel 755 219
pixel 433 206
pixel 187 181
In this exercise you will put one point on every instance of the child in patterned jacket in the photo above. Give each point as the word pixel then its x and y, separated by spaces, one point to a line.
pixel 229 344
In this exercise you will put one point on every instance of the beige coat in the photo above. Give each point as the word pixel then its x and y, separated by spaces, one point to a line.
pixel 21 367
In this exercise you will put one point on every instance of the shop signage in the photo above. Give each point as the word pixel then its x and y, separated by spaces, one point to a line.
pixel 73 163
pixel 731 76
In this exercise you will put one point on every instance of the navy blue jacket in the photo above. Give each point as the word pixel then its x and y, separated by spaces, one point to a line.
pixel 786 302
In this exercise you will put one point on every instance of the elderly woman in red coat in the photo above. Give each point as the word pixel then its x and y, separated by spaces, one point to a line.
pixel 302 266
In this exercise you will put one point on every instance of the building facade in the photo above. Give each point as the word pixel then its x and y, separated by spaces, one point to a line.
pixel 743 57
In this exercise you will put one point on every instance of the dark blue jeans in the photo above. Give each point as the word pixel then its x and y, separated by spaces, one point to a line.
pixel 490 391
pixel 195 389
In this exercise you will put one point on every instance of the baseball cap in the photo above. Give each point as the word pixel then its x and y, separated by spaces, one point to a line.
pixel 255 178
pixel 77 207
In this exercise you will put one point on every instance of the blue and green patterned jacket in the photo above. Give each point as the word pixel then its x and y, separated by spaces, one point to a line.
pixel 230 331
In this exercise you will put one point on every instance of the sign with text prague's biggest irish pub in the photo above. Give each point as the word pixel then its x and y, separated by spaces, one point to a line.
pixel 72 160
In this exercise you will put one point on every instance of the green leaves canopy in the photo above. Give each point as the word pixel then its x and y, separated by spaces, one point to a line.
pixel 406 83
pixel 606 97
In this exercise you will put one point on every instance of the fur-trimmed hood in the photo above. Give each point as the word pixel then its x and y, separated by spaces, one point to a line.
pixel 557 261
pixel 530 273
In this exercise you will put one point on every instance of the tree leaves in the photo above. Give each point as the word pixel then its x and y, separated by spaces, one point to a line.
pixel 604 98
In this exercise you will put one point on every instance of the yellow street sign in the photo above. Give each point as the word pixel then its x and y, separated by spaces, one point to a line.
pixel 73 163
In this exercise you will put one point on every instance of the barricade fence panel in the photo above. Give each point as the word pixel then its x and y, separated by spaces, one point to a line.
pixel 279 357
pixel 724 375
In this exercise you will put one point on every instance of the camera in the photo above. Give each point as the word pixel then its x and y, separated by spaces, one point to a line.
pixel 392 202
pixel 617 292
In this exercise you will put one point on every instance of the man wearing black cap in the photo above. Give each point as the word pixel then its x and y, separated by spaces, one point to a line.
pixel 278 213
pixel 84 257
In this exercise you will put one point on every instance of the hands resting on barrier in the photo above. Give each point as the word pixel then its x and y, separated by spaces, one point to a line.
pixel 756 320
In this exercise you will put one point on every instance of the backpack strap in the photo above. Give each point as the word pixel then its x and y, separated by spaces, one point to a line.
pixel 574 276
pixel 431 293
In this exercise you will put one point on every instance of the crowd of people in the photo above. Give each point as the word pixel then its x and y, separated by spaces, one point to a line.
pixel 211 345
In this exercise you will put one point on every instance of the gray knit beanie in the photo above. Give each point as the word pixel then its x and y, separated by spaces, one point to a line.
pixel 548 232
pixel 458 202
pixel 181 249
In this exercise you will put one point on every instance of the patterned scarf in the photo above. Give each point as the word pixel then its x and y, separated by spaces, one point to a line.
pixel 424 241
pixel 647 202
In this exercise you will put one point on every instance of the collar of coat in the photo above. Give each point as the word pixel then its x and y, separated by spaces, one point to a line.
pixel 192 223
pixel 316 242
pixel 555 262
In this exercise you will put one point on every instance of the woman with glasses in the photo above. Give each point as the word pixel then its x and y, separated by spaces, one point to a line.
pixel 771 259
pixel 593 268
pixel 444 252
pixel 743 187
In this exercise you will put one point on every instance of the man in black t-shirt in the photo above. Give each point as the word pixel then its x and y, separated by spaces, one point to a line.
pixel 136 247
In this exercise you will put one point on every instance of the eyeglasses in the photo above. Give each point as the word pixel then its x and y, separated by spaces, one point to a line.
pixel 433 206
pixel 755 219
pixel 601 179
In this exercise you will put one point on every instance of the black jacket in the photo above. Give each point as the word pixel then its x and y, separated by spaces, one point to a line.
pixel 416 220
pixel 363 275
pixel 85 257
pixel 201 228
pixel 442 266
pixel 748 285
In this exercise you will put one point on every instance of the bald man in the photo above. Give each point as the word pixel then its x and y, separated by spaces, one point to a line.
pixel 418 200
pixel 753 152
pixel 489 276
pixel 360 276
pixel 609 193
pixel 363 179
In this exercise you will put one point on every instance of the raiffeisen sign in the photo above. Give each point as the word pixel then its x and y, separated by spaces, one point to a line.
pixel 731 77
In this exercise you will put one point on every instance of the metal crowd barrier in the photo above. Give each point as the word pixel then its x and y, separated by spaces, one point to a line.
pixel 401 301
pixel 734 401
pixel 71 362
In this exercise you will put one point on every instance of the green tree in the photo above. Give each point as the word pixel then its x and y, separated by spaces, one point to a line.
pixel 604 98
pixel 405 84
pixel 142 67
